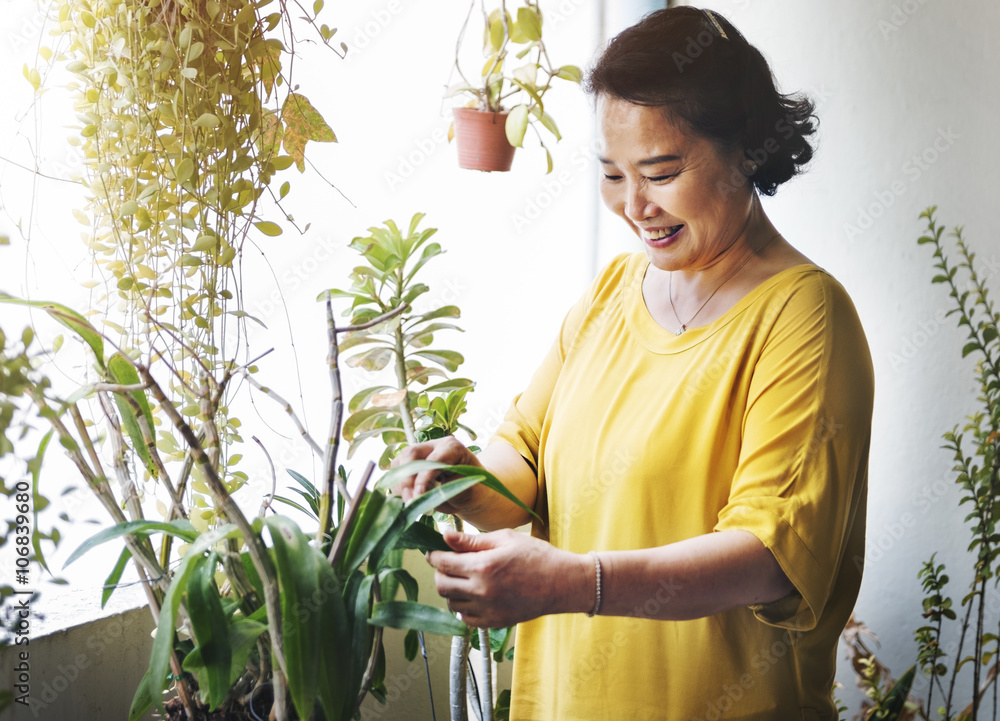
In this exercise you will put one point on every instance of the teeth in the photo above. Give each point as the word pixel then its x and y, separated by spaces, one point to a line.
pixel 658 234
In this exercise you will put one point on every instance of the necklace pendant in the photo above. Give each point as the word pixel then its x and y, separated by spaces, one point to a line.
pixel 680 330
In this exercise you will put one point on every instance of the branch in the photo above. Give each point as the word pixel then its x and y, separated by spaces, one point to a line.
pixel 330 476
pixel 255 546
pixel 287 407
pixel 99 485
pixel 375 321
pixel 338 547
pixel 266 503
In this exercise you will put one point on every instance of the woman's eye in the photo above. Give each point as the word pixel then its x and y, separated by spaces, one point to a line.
pixel 662 178
pixel 612 177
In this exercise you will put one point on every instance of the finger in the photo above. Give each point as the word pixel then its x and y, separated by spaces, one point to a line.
pixel 470 542
pixel 453 588
pixel 450 564
pixel 424 481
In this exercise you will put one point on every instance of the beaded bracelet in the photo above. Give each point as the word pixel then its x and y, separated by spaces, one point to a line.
pixel 597 602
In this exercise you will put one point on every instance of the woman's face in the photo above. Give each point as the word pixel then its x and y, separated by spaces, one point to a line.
pixel 683 196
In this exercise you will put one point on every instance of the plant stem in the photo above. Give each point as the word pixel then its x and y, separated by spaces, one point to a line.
pixel 330 476
pixel 486 692
pixel 457 677
pixel 255 546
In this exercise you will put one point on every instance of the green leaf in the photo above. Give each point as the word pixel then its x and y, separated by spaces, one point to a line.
pixel 401 577
pixel 163 641
pixel 208 622
pixel 69 318
pixel 243 634
pixel 268 228
pixel 374 521
pixel 448 359
pixel 547 121
pixel 298 566
pixel 111 583
pixel 570 72
pixel 452 384
pixel 125 373
pixel 411 644
pixel 422 538
pixel 363 420
pixel 517 125
pixel 207 120
pixel 529 23
pixel 35 467
pixel 501 712
pixel 418 616
pixel 311 489
pixel 143 699
pixel 361 398
pixel 896 698
pixel 394 476
pixel 302 124
pixel 357 600
pixel 970 348
pixel 445 311
pixel 336 697
pixel 371 360
pixel 180 527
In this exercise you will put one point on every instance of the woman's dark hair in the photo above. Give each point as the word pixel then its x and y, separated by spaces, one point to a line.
pixel 703 71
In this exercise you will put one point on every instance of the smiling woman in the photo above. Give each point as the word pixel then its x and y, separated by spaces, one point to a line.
pixel 695 444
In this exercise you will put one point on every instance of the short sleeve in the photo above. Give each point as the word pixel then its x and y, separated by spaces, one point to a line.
pixel 801 480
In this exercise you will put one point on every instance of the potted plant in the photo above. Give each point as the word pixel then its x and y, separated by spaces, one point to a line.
pixel 508 94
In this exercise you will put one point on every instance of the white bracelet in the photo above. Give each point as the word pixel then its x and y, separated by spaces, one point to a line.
pixel 597 601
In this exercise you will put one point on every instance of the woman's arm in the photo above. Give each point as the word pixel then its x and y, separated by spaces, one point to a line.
pixel 498 579
pixel 485 509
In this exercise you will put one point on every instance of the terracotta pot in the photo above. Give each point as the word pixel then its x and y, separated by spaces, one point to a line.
pixel 482 140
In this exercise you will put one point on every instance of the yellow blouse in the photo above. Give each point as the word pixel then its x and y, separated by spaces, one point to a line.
pixel 760 420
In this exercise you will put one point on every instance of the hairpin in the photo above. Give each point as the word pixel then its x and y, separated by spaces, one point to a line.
pixel 715 22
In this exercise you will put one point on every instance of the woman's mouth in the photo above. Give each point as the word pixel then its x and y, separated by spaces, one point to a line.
pixel 660 237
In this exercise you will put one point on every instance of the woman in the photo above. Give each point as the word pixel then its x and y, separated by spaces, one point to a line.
pixel 696 442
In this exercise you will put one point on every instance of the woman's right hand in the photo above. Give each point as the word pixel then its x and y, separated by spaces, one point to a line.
pixel 444 450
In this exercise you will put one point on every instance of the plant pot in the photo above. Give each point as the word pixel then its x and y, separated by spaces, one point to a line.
pixel 482 140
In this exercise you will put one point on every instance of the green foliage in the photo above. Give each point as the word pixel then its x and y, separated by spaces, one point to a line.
pixel 520 90
pixel 977 474
pixel 410 410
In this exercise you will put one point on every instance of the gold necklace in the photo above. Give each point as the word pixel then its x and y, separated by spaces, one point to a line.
pixel 670 287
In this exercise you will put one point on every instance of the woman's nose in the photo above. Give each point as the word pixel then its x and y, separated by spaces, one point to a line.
pixel 637 205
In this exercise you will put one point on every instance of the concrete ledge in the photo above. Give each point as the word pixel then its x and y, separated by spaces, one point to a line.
pixel 85 673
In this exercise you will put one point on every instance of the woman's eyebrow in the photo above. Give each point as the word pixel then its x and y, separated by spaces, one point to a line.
pixel 647 161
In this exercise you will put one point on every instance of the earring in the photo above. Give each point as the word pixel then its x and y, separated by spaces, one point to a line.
pixel 749 168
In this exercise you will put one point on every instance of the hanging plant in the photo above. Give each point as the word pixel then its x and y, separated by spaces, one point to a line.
pixel 503 101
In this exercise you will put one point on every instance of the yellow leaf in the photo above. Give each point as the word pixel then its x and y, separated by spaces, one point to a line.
pixel 530 23
pixel 207 120
pixel 268 228
pixel 388 400
pixel 303 123
pixel 32 75
pixel 205 243
pixel 184 170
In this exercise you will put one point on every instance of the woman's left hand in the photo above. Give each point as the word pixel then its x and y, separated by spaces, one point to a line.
pixel 501 578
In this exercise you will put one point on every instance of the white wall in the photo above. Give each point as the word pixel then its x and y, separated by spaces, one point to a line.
pixel 895 80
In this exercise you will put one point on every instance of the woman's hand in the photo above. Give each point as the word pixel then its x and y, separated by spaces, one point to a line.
pixel 498 579
pixel 444 450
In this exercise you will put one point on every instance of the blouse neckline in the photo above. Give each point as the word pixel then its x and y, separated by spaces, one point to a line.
pixel 658 339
